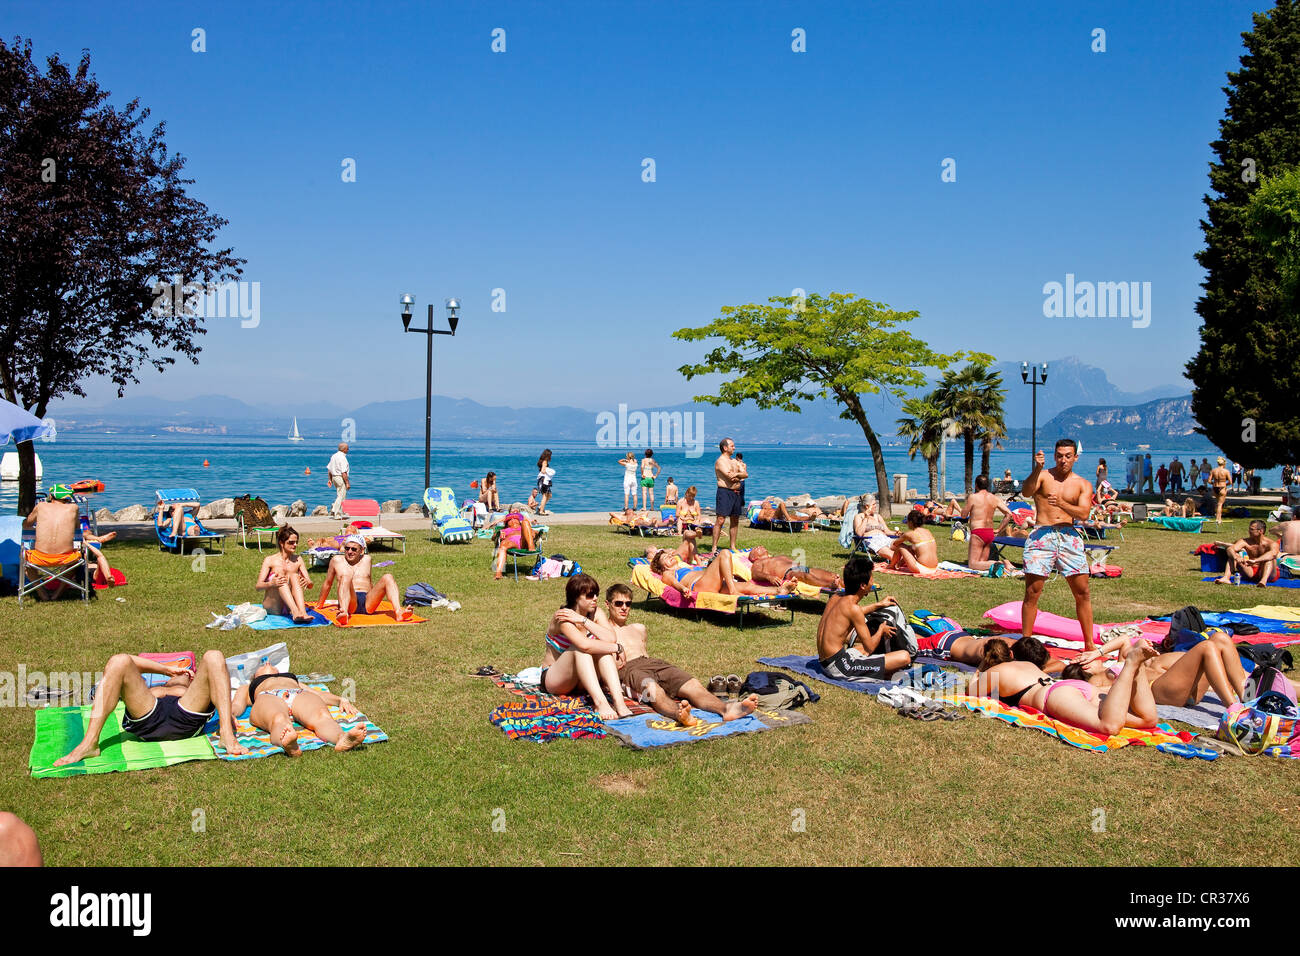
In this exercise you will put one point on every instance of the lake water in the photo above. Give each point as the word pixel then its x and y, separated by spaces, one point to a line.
pixel 587 478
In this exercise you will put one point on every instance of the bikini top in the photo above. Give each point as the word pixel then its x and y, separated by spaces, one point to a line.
pixel 257 682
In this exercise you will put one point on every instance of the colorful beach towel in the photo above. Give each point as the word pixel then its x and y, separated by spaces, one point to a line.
pixel 1035 720
pixel 530 691
pixel 942 574
pixel 547 719
pixel 259 743
pixel 811 667
pixel 384 616
pixel 646 732
pixel 59 729
pixel 275 622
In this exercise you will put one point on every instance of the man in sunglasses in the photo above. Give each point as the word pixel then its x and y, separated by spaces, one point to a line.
pixel 669 690
pixel 356 593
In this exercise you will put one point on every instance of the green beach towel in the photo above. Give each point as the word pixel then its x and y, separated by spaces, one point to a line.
pixel 59 729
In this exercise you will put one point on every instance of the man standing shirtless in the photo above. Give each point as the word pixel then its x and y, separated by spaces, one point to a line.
pixel 980 508
pixel 1060 497
pixel 731 474
pixel 669 690
pixel 1220 478
pixel 844 625
pixel 776 569
pixel 356 594
pixel 1254 557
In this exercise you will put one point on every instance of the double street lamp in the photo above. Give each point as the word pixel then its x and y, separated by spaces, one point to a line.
pixel 453 318
pixel 1029 375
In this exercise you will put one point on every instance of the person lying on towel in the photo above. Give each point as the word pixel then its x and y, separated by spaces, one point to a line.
pixel 916 551
pixel 668 689
pixel 777 569
pixel 356 593
pixel 957 645
pixel 1254 557
pixel 687 550
pixel 1075 702
pixel 717 577
pixel 846 645
pixel 1177 678
pixel 278 700
pixel 173 711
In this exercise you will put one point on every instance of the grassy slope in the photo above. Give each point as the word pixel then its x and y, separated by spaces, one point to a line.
pixel 874 788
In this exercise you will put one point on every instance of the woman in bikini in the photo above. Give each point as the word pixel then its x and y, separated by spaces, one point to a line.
pixel 717 578
pixel 582 651
pixel 488 495
pixel 1178 678
pixel 278 700
pixel 688 510
pixel 515 531
pixel 1129 702
pixel 283 577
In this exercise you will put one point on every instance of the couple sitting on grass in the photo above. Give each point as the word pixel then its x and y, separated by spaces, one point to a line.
pixel 597 651
pixel 179 709
pixel 284 576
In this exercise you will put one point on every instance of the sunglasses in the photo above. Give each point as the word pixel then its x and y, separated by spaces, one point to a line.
pixel 621 603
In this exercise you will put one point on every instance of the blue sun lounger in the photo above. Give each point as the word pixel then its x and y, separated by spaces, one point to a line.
pixel 448 524
pixel 188 498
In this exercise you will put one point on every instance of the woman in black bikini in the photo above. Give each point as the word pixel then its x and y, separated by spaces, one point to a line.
pixel 278 700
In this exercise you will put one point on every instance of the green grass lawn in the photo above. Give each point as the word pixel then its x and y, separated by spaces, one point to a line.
pixel 872 787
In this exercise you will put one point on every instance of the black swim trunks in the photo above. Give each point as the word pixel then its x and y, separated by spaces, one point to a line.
pixel 729 504
pixel 167 721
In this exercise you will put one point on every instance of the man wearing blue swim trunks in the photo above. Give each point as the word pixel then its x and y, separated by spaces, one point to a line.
pixel 730 505
pixel 1060 498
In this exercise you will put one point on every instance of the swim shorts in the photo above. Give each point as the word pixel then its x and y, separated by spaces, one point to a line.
pixel 851 664
pixel 361 602
pixel 647 482
pixel 984 534
pixel 938 645
pixel 636 672
pixel 1055 547
pixel 729 504
pixel 168 720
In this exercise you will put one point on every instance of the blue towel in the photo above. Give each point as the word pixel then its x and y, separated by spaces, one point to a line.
pixel 1279 583
pixel 647 731
pixel 275 622
pixel 811 667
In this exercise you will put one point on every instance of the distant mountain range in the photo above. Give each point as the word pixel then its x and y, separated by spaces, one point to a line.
pixel 1077 398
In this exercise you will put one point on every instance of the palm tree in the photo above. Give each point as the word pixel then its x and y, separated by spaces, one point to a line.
pixel 972 398
pixel 924 431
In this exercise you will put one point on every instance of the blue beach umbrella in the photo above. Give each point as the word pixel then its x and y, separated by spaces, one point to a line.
pixel 18 424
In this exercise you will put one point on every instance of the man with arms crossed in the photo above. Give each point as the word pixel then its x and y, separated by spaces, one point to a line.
pixel 980 508
pixel 668 689
pixel 1060 497
pixel 731 474
pixel 844 625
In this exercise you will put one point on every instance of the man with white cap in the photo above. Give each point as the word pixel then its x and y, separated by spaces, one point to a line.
pixel 356 593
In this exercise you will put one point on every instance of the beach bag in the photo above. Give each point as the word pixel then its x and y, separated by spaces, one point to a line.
pixel 928 623
pixel 958 533
pixel 777 691
pixel 1267 679
pixel 422 594
pixel 1256 726
pixel 248 613
pixel 903 639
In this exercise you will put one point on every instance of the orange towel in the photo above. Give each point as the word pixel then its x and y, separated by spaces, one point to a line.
pixel 41 559
pixel 383 616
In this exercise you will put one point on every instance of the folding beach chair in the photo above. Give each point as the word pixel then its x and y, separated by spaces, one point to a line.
pixel 366 509
pixel 448 525
pixel 528 556
pixel 37 569
pixel 252 516
pixel 187 498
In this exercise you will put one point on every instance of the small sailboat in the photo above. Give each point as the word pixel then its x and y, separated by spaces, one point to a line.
pixel 295 436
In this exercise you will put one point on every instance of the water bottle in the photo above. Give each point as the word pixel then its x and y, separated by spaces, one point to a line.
pixel 1236 578
pixel 239 675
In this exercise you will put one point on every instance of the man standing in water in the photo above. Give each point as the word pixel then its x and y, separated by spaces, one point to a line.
pixel 730 504
pixel 1060 498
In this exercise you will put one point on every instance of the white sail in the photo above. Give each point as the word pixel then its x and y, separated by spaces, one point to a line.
pixel 295 436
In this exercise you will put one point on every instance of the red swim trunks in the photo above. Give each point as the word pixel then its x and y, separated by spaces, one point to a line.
pixel 984 534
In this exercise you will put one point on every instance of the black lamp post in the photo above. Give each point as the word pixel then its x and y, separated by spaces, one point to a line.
pixel 453 317
pixel 1029 375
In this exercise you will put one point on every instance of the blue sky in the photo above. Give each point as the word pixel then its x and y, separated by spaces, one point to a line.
pixel 522 171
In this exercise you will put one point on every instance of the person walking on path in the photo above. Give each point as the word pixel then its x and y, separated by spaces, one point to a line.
pixel 730 503
pixel 339 479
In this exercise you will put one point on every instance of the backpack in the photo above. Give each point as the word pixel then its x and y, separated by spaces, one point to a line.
pixel 1187 618
pixel 929 624
pixel 422 594
pixel 777 691
pixel 904 638
pixel 1267 680
pixel 1267 655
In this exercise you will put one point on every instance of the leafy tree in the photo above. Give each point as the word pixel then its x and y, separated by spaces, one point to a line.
pixel 93 212
pixel 795 351
pixel 1273 221
pixel 924 432
pixel 1245 373
pixel 972 397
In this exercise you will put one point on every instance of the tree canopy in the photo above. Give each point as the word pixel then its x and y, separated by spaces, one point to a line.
pixel 1245 373
pixel 798 350
pixel 93 213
